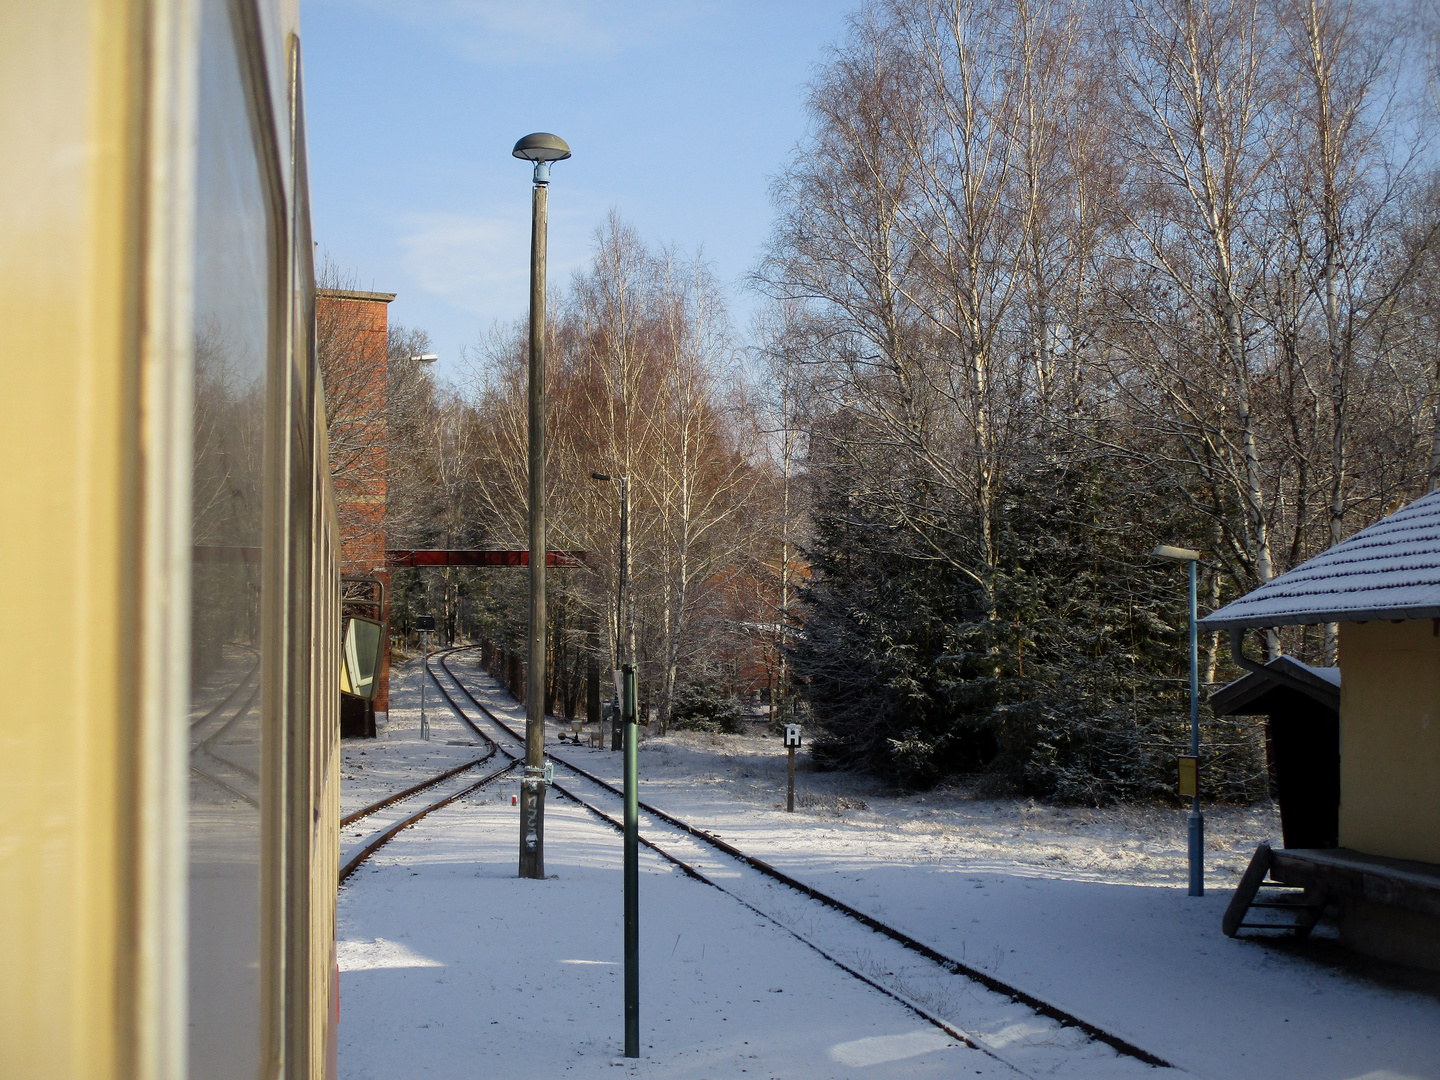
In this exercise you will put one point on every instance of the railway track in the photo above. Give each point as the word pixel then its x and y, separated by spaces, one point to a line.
pixel 380 839
pixel 1004 1021
pixel 401 796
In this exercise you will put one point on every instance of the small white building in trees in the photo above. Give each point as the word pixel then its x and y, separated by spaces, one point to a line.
pixel 1382 586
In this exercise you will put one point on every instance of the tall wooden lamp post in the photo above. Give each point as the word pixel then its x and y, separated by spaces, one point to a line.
pixel 542 149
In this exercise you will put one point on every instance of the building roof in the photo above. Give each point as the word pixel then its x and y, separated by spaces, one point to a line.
pixel 1389 571
pixel 1253 693
pixel 356 294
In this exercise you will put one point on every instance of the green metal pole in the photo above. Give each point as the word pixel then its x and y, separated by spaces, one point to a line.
pixel 632 869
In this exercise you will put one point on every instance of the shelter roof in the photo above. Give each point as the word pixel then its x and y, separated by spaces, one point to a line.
pixel 1247 695
pixel 1389 571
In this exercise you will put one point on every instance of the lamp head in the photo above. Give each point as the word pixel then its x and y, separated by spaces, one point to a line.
pixel 542 148
pixel 1179 554
pixel 424 358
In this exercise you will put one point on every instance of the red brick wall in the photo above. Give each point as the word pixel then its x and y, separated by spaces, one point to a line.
pixel 352 336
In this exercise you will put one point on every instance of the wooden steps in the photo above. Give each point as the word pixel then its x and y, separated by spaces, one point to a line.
pixel 1302 905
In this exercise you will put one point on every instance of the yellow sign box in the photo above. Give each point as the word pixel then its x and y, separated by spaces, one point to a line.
pixel 1189 777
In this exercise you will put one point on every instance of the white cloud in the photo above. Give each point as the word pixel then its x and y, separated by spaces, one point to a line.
pixel 478 264
pixel 481 264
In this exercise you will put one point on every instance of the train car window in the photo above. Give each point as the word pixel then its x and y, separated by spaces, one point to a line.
pixel 235 262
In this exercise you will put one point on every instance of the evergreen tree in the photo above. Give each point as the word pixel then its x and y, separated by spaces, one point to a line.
pixel 1073 687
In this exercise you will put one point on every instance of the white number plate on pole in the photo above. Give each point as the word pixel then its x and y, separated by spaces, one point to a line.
pixel 792 734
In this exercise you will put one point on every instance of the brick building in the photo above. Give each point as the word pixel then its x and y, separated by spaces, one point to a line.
pixel 351 332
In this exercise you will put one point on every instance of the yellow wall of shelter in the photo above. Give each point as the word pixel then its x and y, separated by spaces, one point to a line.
pixel 1390 739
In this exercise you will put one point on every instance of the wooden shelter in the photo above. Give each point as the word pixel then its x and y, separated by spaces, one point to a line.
pixel 1302 739
pixel 1382 586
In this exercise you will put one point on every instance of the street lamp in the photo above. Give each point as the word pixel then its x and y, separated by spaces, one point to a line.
pixel 424 358
pixel 621 626
pixel 542 149
pixel 1197 819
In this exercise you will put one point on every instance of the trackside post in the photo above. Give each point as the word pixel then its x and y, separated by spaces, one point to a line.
pixel 792 740
pixel 425 624
pixel 632 867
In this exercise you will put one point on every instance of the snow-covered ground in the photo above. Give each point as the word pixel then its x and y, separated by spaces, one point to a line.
pixel 1085 909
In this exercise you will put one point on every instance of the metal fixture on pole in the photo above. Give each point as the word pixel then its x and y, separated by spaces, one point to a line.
pixel 622 625
pixel 1197 820
pixel 632 867
pixel 542 149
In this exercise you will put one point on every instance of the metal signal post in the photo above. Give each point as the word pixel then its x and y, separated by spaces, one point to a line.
pixel 424 626
pixel 632 867
pixel 424 672
pixel 622 625
pixel 792 740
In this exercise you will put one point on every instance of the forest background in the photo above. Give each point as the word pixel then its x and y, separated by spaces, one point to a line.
pixel 1048 284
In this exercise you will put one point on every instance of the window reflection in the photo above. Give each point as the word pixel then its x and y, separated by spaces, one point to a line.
pixel 232 313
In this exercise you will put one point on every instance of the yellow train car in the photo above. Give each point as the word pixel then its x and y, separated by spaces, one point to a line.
pixel 168 716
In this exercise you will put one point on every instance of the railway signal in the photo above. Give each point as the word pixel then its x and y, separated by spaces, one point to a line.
pixel 792 741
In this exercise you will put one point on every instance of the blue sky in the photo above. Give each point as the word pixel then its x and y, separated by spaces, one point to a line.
pixel 677 113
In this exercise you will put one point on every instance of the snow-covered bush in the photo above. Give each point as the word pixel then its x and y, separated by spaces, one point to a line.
pixel 705 705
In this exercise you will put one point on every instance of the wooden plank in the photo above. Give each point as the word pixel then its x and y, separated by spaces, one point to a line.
pixel 1351 875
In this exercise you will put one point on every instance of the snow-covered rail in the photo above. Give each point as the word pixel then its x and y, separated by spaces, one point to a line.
pixel 401 796
pixel 378 841
pixel 1025 1032
pixel 353 863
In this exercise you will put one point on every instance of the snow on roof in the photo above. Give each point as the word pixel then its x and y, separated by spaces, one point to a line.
pixel 1249 695
pixel 1389 571
pixel 1330 675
